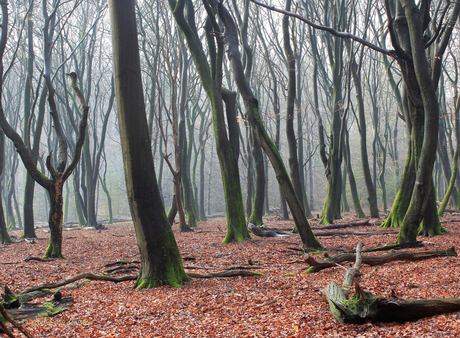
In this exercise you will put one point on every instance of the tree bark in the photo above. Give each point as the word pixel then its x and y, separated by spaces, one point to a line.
pixel 252 109
pixel 160 259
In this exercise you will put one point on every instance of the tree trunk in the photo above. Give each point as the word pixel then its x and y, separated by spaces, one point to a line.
pixel 4 236
pixel 351 178
pixel 55 218
pixel 160 259
pixel 258 205
pixel 372 195
pixel 291 94
pixel 252 109
pixel 226 131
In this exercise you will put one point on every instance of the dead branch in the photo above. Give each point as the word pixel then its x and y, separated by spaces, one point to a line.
pixel 316 266
pixel 15 323
pixel 364 306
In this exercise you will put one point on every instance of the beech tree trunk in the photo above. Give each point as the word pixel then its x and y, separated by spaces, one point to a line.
pixel 252 109
pixel 160 259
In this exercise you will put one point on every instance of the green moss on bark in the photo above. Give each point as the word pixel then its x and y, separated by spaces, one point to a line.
pixel 53 251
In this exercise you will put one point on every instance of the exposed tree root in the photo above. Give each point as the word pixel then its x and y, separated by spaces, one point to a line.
pixel 30 258
pixel 316 266
pixel 394 246
pixel 86 275
pixel 229 273
pixel 92 276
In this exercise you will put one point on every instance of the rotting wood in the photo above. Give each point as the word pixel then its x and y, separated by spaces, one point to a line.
pixel 363 306
pixel 332 261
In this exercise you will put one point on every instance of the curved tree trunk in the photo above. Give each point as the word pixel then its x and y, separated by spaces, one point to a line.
pixel 252 109
pixel 160 258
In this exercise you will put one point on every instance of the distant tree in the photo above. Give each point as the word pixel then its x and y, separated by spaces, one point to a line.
pixel 61 172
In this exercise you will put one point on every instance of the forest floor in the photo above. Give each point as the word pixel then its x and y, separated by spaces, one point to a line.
pixel 282 303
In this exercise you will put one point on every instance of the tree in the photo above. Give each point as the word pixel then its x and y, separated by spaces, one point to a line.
pixel 408 23
pixel 226 128
pixel 161 263
pixel 4 236
pixel 252 108
pixel 59 175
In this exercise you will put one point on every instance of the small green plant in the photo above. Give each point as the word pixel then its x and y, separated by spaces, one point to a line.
pixel 289 274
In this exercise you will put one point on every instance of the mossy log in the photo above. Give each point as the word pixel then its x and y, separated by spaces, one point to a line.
pixel 316 266
pixel 363 306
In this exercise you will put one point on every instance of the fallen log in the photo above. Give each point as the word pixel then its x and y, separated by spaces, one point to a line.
pixel 363 306
pixel 342 226
pixel 262 232
pixel 358 233
pixel 316 266
pixel 415 244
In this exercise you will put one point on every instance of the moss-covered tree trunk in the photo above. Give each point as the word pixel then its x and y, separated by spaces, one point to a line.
pixel 160 259
pixel 55 218
pixel 371 192
pixel 290 102
pixel 427 99
pixel 29 187
pixel 225 127
pixel 4 236
pixel 252 109
pixel 331 207
pixel 277 115
pixel 351 178
pixel 183 153
pixel 259 193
